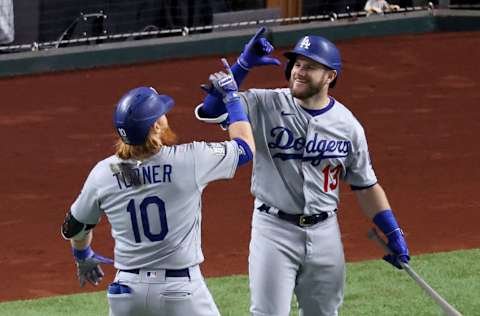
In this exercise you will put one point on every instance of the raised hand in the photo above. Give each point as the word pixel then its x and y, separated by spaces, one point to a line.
pixel 256 52
pixel 223 84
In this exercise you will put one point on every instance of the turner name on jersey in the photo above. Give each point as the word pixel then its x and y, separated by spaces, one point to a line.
pixel 128 174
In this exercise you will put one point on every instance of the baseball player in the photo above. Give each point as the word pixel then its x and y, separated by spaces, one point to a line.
pixel 150 191
pixel 306 142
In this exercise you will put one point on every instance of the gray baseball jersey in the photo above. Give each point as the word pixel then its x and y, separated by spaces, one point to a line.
pixel 300 158
pixel 154 206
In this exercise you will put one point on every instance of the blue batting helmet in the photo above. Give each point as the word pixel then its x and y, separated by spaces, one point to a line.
pixel 137 111
pixel 318 49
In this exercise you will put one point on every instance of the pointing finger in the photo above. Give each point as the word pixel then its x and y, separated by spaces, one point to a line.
pixel 259 33
pixel 271 61
pixel 227 66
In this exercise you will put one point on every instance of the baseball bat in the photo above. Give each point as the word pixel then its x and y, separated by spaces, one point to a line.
pixel 441 302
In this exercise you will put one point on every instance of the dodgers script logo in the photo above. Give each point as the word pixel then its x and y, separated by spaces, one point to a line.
pixel 313 150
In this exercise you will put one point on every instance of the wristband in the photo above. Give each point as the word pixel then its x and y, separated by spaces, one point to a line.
pixel 82 254
pixel 242 64
pixel 239 72
pixel 235 111
pixel 399 230
pixel 385 220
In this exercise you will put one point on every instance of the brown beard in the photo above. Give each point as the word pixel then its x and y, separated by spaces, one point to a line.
pixel 168 137
pixel 306 93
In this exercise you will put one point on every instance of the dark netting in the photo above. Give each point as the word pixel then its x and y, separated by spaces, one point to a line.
pixel 62 23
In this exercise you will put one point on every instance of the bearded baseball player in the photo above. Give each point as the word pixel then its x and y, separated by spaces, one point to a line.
pixel 150 191
pixel 306 142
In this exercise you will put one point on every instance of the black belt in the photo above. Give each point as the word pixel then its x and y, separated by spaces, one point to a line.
pixel 182 273
pixel 297 219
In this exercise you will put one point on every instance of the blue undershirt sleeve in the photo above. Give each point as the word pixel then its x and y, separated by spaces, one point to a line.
pixel 245 154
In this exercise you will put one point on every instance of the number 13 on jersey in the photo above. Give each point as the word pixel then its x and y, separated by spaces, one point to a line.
pixel 331 177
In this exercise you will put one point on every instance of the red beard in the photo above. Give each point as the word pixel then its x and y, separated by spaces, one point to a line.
pixel 308 91
pixel 168 137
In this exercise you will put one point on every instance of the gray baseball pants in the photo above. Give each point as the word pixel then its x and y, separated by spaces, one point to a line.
pixel 151 292
pixel 285 258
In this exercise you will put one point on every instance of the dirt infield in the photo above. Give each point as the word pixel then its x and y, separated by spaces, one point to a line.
pixel 417 97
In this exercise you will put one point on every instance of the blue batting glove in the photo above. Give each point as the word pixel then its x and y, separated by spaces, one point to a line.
pixel 387 223
pixel 88 266
pixel 256 52
pixel 224 84
pixel 396 243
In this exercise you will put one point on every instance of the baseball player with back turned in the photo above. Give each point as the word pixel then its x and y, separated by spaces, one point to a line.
pixel 306 142
pixel 150 191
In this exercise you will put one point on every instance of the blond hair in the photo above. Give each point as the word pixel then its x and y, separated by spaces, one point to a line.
pixel 150 147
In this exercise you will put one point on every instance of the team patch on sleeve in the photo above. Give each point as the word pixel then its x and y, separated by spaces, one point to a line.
pixel 244 152
pixel 218 149
pixel 241 151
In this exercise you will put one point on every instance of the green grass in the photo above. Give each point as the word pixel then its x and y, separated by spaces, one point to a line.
pixel 373 288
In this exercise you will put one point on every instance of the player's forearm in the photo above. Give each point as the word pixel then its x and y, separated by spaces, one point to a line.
pixel 239 124
pixel 239 73
pixel 243 130
pixel 82 243
pixel 372 200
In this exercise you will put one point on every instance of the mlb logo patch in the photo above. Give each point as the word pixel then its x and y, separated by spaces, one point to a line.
pixel 151 274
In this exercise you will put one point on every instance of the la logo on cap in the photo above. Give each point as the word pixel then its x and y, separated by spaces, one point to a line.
pixel 305 43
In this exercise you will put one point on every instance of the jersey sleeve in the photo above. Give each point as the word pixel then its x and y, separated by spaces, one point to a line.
pixel 215 161
pixel 86 208
pixel 360 173
pixel 251 100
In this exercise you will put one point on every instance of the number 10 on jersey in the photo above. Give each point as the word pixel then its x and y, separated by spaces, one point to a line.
pixel 155 202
